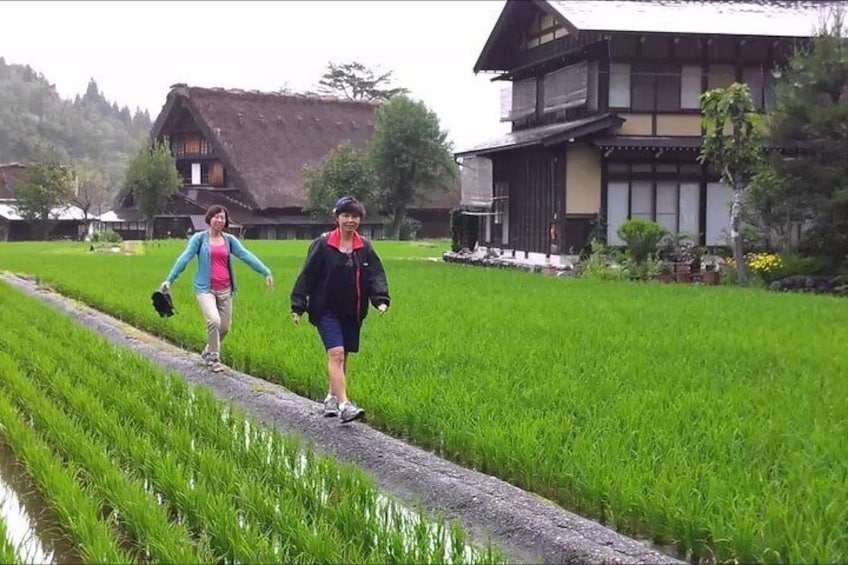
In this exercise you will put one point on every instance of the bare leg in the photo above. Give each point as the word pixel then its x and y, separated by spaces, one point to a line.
pixel 336 358
pixel 344 373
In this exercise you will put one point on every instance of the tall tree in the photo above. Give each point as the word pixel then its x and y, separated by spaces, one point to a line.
pixel 736 154
pixel 811 110
pixel 46 187
pixel 410 156
pixel 342 172
pixel 152 177
pixel 91 189
pixel 355 81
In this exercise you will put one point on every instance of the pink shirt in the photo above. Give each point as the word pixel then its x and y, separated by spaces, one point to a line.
pixel 220 267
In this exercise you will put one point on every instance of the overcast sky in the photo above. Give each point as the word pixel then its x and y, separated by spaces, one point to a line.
pixel 136 50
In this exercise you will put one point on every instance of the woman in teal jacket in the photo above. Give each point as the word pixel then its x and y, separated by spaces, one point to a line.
pixel 215 283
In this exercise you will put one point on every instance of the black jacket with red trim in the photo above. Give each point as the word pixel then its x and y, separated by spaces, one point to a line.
pixel 310 292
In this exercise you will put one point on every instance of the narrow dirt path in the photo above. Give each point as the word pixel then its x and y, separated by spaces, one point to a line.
pixel 526 527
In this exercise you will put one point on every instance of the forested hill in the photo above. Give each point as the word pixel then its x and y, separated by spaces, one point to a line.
pixel 88 131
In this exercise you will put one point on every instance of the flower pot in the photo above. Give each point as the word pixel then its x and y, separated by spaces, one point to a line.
pixel 684 277
pixel 710 277
pixel 667 277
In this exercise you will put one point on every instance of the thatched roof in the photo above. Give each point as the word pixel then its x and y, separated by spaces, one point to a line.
pixel 10 175
pixel 265 138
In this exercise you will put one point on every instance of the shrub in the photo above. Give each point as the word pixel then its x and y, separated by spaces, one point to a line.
pixel 106 236
pixel 641 237
pixel 409 228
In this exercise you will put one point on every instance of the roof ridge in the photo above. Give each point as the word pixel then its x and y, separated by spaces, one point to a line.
pixel 277 94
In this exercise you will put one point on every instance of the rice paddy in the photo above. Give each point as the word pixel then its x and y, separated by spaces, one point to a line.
pixel 707 418
pixel 139 467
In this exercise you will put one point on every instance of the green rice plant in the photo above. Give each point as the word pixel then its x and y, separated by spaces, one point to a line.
pixel 8 553
pixel 74 505
pixel 148 525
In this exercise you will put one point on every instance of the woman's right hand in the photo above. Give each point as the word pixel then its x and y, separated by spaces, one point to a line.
pixel 165 286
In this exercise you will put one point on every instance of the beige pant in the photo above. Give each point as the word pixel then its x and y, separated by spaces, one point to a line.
pixel 217 308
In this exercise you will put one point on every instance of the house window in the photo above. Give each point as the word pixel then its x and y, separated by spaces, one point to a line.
pixel 718 214
pixel 566 87
pixel 641 200
pixel 523 100
pixel 195 173
pixel 644 87
pixel 619 85
pixel 755 79
pixel 667 205
pixel 667 194
pixel 668 88
pixel 721 76
pixel 690 87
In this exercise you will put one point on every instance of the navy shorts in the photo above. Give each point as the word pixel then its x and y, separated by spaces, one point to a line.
pixel 338 331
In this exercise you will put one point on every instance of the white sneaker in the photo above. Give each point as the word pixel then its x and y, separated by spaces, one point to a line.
pixel 206 356
pixel 348 412
pixel 331 406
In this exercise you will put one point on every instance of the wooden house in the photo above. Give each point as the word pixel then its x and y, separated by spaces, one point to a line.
pixel 603 102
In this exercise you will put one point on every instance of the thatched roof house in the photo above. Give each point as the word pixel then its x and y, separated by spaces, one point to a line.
pixel 246 150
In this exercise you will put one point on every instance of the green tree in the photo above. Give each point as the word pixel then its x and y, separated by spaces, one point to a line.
pixel 410 157
pixel 810 113
pixel 736 154
pixel 46 186
pixel 343 171
pixel 355 81
pixel 152 178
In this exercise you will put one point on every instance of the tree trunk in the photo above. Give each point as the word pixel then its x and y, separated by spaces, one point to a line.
pixel 395 224
pixel 736 237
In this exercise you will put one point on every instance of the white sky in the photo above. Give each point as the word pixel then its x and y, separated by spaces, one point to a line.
pixel 136 50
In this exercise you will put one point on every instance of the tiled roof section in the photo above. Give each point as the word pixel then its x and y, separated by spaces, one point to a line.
pixel 765 18
pixel 649 142
pixel 542 134
pixel 10 175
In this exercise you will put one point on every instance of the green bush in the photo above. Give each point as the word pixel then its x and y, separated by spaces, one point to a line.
pixel 641 237
pixel 409 228
pixel 605 263
pixel 106 236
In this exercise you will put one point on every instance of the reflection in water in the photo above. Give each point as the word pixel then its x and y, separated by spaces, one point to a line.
pixel 31 527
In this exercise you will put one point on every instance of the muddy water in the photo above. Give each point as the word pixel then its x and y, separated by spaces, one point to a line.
pixel 31 526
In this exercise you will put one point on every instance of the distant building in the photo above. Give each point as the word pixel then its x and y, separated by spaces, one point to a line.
pixel 68 220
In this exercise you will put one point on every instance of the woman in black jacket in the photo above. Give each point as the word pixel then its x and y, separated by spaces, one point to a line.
pixel 342 273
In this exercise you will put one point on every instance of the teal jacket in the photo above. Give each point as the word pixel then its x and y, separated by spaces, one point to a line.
pixel 199 245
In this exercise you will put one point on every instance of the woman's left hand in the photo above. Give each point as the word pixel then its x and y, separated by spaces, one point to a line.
pixel 269 282
pixel 382 308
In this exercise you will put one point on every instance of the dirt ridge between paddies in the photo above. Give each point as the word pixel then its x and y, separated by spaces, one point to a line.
pixel 524 526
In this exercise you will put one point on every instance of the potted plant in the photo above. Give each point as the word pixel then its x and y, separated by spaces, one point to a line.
pixel 666 275
pixel 711 269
